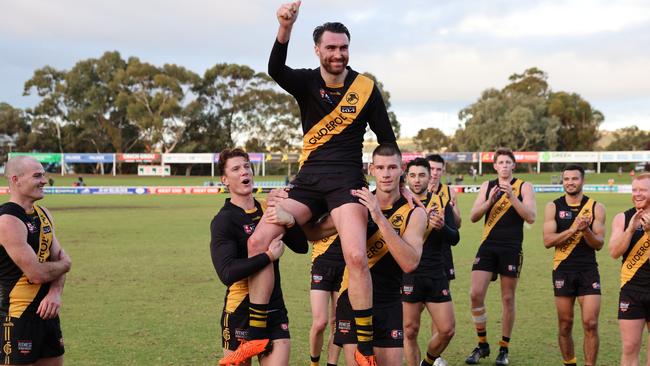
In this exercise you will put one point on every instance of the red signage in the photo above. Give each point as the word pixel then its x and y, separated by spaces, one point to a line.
pixel 520 157
pixel 138 158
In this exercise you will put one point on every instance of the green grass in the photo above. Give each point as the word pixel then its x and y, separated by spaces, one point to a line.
pixel 134 180
pixel 142 290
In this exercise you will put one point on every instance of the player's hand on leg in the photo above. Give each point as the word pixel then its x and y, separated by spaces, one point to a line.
pixel 276 215
pixel 276 195
pixel 276 248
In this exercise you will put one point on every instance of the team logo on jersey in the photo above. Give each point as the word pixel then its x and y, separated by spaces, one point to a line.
pixel 316 278
pixel 512 268
pixel 344 326
pixel 559 283
pixel 452 271
pixel 477 259
pixel 348 109
pixel 324 95
pixel 596 285
pixel 352 98
pixel 24 347
pixel 623 306
pixel 30 227
pixel 445 292
pixel 566 215
pixel 284 326
pixel 248 229
pixel 226 334
pixel 397 221
pixel 397 334
pixel 7 348
pixel 407 289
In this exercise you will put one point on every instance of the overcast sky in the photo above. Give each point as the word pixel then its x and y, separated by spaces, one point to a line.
pixel 434 57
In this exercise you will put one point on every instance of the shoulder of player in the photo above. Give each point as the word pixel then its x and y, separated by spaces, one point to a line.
pixel 11 226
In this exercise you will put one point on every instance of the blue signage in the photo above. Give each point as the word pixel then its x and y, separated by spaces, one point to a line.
pixel 88 158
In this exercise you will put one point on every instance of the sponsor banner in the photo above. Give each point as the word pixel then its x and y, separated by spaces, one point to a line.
pixel 520 156
pixel 624 156
pixel 4 190
pixel 548 188
pixel 600 188
pixel 408 156
pixel 205 158
pixel 87 158
pixel 95 190
pixel 154 170
pixel 568 157
pixel 281 157
pixel 460 157
pixel 47 158
pixel 254 157
pixel 138 158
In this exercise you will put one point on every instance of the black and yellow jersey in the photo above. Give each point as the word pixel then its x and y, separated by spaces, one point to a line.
pixel 503 226
pixel 635 271
pixel 385 272
pixel 334 117
pixel 432 261
pixel 18 296
pixel 328 251
pixel 444 192
pixel 574 254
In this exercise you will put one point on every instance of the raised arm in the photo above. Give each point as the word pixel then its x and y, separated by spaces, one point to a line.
pixel 12 237
pixel 277 68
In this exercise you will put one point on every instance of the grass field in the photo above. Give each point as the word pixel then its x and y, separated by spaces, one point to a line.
pixel 142 290
pixel 134 180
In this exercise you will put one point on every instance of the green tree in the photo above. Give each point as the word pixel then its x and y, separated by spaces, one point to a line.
pixel 431 139
pixel 397 127
pixel 527 115
pixel 14 129
pixel 630 138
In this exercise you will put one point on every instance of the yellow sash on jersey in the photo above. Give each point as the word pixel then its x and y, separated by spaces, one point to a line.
pixel 500 207
pixel 435 203
pixel 320 246
pixel 444 193
pixel 346 112
pixel 562 252
pixel 376 247
pixel 638 257
pixel 24 292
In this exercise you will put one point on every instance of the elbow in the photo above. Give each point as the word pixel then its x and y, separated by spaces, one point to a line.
pixel 530 219
pixel 547 245
pixel 36 278
pixel 410 267
pixel 474 218
pixel 614 253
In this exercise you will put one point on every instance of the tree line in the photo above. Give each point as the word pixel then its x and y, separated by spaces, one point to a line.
pixel 109 104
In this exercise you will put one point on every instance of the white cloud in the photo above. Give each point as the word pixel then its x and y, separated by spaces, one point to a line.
pixel 560 18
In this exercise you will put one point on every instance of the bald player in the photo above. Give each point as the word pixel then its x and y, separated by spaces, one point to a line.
pixel 32 271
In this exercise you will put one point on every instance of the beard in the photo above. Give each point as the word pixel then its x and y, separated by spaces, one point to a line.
pixel 327 65
pixel 574 193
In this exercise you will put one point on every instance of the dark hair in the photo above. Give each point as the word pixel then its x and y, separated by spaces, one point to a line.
pixel 334 27
pixel 387 150
pixel 226 154
pixel 435 157
pixel 504 151
pixel 418 162
pixel 575 167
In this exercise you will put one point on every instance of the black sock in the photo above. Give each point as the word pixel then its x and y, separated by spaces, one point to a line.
pixel 257 315
pixel 363 322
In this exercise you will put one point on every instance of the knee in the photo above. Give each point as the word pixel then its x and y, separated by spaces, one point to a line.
pixel 356 260
pixel 411 331
pixel 631 346
pixel 476 296
pixel 446 333
pixel 256 246
pixel 590 326
pixel 508 301
pixel 565 326
pixel 319 325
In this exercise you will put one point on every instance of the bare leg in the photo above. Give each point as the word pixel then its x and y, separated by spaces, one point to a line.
pixel 319 306
pixel 411 315
pixel 333 351
pixel 508 287
pixel 631 337
pixel 477 292
pixel 442 315
pixel 389 356
pixel 260 284
pixel 564 305
pixel 50 361
pixel 590 309
pixel 280 354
